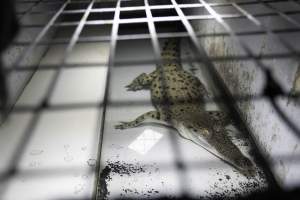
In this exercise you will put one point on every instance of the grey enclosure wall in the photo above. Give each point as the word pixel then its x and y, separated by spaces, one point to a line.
pixel 275 139
pixel 17 80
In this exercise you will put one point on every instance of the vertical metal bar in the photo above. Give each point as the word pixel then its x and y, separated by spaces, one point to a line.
pixel 111 60
pixel 152 31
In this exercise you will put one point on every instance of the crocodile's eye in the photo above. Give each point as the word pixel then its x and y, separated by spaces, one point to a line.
pixel 206 132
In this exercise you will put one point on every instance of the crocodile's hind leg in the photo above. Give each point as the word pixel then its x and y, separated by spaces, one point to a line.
pixel 143 81
pixel 151 116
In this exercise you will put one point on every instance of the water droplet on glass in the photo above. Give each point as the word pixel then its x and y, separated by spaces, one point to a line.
pixel 78 188
pixel 91 162
pixel 84 176
pixel 35 164
pixel 68 158
pixel 36 152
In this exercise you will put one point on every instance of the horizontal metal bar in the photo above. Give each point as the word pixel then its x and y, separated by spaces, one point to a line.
pixel 125 103
pixel 92 39
pixel 215 59
pixel 159 19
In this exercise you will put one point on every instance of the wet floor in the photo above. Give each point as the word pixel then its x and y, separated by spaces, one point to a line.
pixel 151 161
pixel 60 159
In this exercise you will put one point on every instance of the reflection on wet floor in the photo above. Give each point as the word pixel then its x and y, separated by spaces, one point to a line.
pixel 144 142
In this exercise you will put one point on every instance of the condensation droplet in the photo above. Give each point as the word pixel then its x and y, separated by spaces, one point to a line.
pixel 91 162
pixel 78 188
pixel 34 164
pixel 84 176
pixel 36 152
pixel 68 158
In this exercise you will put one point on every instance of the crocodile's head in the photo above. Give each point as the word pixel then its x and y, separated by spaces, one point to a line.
pixel 245 166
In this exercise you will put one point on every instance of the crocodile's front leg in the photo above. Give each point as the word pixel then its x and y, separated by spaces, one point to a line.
pixel 143 81
pixel 151 116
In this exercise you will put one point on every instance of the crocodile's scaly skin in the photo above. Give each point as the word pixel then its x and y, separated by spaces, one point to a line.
pixel 178 98
pixel 296 86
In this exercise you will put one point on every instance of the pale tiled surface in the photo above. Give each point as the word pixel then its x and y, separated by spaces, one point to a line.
pixel 82 85
pixel 60 158
pixel 55 163
pixel 11 133
pixel 36 88
pixel 91 53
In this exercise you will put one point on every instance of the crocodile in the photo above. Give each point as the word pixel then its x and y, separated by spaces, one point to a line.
pixel 179 98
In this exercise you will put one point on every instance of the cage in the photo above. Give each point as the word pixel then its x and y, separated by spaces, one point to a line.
pixel 71 73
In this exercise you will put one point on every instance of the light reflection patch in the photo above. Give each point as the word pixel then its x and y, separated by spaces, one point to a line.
pixel 144 142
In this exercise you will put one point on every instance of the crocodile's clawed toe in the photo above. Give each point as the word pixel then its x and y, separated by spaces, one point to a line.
pixel 121 125
pixel 130 87
pixel 133 87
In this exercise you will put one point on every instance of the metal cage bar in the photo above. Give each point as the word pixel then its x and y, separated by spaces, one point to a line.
pixel 154 36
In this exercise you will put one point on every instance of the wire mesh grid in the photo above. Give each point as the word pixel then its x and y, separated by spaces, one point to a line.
pixel 79 15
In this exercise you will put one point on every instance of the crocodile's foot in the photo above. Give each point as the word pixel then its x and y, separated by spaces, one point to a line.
pixel 123 125
pixel 134 86
pixel 138 83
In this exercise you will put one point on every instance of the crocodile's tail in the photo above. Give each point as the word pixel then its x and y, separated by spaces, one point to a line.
pixel 171 49
pixel 216 141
